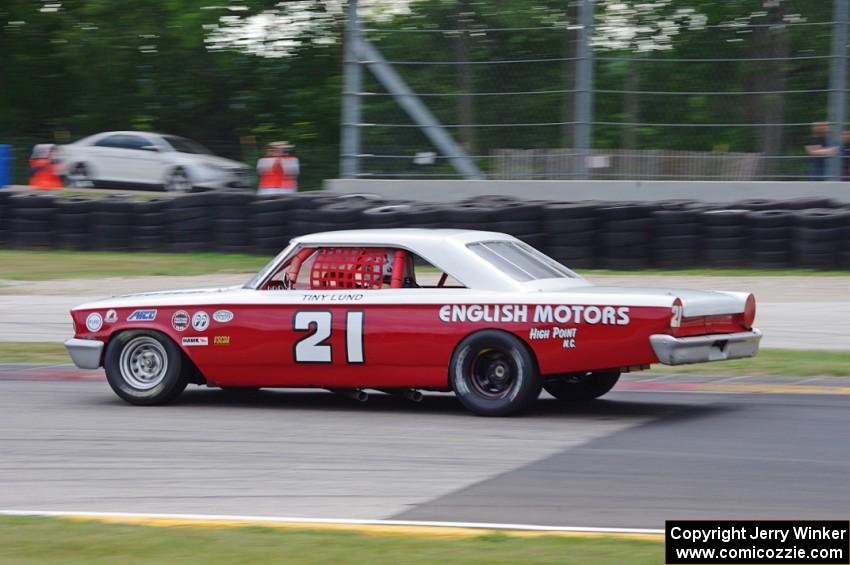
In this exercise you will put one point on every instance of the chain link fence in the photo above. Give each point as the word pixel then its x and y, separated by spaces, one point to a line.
pixel 674 95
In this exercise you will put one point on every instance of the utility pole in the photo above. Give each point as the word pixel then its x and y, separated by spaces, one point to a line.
pixel 349 160
pixel 584 88
pixel 418 112
pixel 838 85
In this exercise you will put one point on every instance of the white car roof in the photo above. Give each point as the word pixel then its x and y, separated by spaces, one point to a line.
pixel 446 249
pixel 410 238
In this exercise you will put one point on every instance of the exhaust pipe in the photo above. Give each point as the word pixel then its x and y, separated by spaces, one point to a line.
pixel 410 394
pixel 357 394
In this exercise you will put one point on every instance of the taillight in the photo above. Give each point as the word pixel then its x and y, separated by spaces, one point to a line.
pixel 750 311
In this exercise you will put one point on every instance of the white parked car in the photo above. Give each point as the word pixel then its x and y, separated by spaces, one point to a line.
pixel 135 158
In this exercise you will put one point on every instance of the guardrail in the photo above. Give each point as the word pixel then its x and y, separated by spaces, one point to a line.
pixel 810 232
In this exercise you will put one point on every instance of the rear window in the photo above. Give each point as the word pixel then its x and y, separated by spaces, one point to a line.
pixel 520 261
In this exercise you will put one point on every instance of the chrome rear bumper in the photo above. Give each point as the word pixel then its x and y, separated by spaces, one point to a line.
pixel 672 350
pixel 85 353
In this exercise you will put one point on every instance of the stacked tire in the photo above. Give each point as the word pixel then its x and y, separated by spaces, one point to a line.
pixel 75 221
pixel 626 236
pixel 819 234
pixel 190 221
pixel 232 225
pixel 149 229
pixel 676 232
pixel 469 215
pixel 32 224
pixel 5 216
pixel 338 214
pixel 270 228
pixel 770 238
pixel 388 216
pixel 113 220
pixel 521 219
pixel 571 230
pixel 725 237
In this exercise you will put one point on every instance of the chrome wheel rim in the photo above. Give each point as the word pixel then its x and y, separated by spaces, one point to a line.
pixel 143 363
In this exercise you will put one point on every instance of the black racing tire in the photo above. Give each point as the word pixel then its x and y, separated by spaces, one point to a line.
pixel 144 367
pixel 493 373
pixel 581 387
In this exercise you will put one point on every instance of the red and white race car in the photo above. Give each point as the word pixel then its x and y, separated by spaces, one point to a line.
pixel 478 313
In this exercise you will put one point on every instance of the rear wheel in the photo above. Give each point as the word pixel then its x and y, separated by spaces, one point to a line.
pixel 79 177
pixel 144 367
pixel 493 374
pixel 578 387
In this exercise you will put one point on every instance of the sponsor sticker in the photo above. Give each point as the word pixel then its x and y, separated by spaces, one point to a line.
pixel 142 316
pixel 223 316
pixel 192 341
pixel 180 320
pixel 539 314
pixel 94 322
pixel 111 317
pixel 221 340
pixel 200 321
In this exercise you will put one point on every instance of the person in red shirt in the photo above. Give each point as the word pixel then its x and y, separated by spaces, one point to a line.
pixel 43 168
pixel 278 169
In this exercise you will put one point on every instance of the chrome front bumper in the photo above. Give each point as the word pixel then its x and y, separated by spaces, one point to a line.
pixel 699 349
pixel 85 353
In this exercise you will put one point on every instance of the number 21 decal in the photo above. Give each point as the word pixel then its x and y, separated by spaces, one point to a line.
pixel 313 349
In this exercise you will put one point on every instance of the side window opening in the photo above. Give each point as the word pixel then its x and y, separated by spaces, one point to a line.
pixel 357 268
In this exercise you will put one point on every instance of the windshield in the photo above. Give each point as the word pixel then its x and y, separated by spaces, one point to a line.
pixel 183 145
pixel 268 270
pixel 520 261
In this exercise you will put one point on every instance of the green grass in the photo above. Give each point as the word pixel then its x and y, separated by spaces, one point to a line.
pixel 776 362
pixel 773 362
pixel 50 265
pixel 100 193
pixel 48 540
pixel 42 352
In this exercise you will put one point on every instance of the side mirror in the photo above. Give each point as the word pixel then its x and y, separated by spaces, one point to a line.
pixel 153 148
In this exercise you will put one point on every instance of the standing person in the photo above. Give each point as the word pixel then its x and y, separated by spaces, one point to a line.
pixel 43 168
pixel 817 147
pixel 278 169
pixel 845 155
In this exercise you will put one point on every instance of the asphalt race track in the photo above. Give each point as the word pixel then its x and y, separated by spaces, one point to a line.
pixel 642 455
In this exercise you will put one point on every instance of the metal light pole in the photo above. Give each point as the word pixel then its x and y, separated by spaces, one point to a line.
pixel 584 88
pixel 349 161
pixel 838 85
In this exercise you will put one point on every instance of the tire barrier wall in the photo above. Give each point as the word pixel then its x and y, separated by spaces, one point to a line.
pixel 809 233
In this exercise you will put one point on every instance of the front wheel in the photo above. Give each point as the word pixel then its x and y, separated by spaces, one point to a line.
pixel 493 374
pixel 144 367
pixel 579 387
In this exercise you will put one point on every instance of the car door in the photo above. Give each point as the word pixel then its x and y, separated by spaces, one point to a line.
pixel 104 157
pixel 139 160
pixel 335 324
